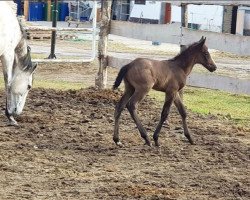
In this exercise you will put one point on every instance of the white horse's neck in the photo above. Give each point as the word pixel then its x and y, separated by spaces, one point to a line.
pixel 10 33
pixel 13 6
pixel 12 42
pixel 21 49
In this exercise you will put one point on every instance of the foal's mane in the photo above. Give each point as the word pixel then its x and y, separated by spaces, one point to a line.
pixel 185 53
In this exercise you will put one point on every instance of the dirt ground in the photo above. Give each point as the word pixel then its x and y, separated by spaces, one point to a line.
pixel 63 149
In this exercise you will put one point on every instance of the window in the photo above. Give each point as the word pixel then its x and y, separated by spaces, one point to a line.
pixel 142 2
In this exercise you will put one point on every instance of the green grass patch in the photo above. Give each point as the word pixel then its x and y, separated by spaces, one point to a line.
pixel 206 101
pixel 37 56
pixel 58 85
pixel 53 84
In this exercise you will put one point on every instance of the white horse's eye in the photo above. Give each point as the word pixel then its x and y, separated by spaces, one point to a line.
pixel 29 87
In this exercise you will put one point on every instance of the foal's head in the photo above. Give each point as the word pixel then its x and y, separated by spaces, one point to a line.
pixel 203 56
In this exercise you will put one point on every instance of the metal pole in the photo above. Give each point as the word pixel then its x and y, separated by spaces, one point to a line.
pixel 53 36
pixel 94 10
pixel 184 23
pixel 26 9
pixel 78 10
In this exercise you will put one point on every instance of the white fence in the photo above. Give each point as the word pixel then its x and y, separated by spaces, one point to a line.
pixel 211 81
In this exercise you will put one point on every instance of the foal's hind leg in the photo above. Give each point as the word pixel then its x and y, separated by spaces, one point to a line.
pixel 137 97
pixel 181 108
pixel 118 110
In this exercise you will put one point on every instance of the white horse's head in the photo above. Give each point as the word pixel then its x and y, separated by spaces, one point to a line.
pixel 21 83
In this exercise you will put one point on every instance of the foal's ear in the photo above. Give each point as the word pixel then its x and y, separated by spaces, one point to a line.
pixel 202 38
pixel 202 41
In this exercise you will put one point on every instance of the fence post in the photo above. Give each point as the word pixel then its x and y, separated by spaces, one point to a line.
pixel 101 78
pixel 48 10
pixel 184 23
pixel 26 9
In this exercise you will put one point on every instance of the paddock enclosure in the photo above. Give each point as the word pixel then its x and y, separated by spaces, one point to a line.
pixel 63 148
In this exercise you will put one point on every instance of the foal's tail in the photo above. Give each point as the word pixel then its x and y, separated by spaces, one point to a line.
pixel 120 76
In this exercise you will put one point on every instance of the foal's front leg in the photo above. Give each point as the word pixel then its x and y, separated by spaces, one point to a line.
pixel 181 108
pixel 164 115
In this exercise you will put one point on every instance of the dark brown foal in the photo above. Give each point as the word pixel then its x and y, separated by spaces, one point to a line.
pixel 168 76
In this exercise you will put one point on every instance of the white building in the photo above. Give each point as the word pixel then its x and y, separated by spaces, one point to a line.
pixel 207 17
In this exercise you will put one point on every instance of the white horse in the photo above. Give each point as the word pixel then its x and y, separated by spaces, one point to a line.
pixel 16 61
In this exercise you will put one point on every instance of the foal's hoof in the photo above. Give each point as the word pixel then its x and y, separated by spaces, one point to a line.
pixel 191 141
pixel 119 144
pixel 157 144
pixel 148 144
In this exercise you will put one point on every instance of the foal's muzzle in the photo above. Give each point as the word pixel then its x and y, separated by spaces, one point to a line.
pixel 212 67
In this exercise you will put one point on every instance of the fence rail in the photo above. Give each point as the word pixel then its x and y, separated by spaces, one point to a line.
pixel 45 28
pixel 196 79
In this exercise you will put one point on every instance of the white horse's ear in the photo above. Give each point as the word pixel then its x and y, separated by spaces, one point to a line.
pixel 34 65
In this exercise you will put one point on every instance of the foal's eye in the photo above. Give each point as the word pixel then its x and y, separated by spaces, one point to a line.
pixel 29 87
